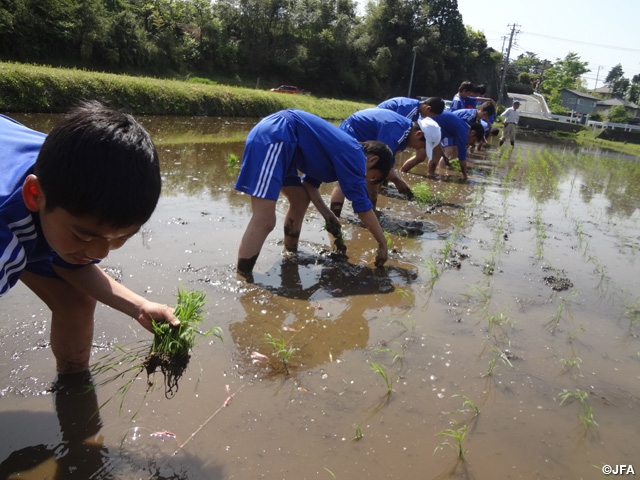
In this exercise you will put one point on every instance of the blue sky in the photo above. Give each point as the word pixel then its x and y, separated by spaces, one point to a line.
pixel 603 33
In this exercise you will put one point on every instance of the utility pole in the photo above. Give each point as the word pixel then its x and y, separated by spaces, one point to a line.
pixel 413 66
pixel 506 60
pixel 597 77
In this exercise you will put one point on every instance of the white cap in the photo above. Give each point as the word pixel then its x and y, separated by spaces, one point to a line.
pixel 432 134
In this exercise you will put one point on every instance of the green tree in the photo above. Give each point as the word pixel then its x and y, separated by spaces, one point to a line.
pixel 618 114
pixel 616 81
pixel 564 74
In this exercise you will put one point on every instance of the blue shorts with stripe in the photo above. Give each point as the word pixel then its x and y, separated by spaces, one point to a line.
pixel 268 162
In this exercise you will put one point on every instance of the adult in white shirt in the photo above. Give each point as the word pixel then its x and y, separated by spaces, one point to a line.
pixel 510 117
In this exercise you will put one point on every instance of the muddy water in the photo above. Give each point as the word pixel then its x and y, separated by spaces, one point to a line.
pixel 521 287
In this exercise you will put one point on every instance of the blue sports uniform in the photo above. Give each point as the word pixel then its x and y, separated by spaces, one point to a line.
pixel 289 141
pixel 405 106
pixel 470 102
pixel 457 103
pixel 22 244
pixel 379 124
pixel 468 114
pixel 456 129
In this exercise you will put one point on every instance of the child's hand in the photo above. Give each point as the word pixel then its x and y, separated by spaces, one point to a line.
pixel 382 257
pixel 150 311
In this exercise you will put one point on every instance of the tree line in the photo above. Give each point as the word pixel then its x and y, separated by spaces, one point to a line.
pixel 326 47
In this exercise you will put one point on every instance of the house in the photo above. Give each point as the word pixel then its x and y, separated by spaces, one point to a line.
pixel 578 102
pixel 631 108
pixel 605 92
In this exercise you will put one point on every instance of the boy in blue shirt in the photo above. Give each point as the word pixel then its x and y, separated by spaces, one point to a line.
pixel 291 141
pixel 411 108
pixel 397 132
pixel 453 128
pixel 66 200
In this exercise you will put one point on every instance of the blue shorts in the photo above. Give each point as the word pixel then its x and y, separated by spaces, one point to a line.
pixel 448 142
pixel 268 160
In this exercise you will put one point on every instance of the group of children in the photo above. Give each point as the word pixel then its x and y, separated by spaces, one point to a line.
pixel 69 197
pixel 359 155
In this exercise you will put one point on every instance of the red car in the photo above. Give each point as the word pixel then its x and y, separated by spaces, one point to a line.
pixel 285 89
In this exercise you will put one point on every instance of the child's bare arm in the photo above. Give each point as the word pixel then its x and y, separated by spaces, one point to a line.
pixel 93 281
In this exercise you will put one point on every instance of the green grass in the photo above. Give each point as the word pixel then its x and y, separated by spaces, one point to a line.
pixel 37 88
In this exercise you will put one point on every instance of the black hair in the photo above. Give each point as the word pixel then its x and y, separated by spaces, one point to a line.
pixel 101 163
pixel 488 107
pixel 480 89
pixel 465 86
pixel 415 127
pixel 436 104
pixel 478 129
pixel 384 154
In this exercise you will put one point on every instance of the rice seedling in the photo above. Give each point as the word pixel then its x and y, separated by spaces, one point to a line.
pixel 432 266
pixel 336 231
pixel 407 295
pixel 387 237
pixel 586 415
pixel 280 348
pixel 572 365
pixel 497 355
pixel 455 164
pixel 455 439
pixel 333 475
pixel 408 325
pixel 376 367
pixel 498 320
pixel 170 350
pixel 424 194
pixel 396 355
pixel 358 434
pixel 233 161
pixel 467 405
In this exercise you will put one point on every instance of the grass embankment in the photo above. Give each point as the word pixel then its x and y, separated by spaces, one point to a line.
pixel 39 89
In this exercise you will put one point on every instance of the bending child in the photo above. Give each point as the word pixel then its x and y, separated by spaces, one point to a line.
pixel 66 200
pixel 291 141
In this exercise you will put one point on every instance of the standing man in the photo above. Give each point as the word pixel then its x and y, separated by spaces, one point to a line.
pixel 511 117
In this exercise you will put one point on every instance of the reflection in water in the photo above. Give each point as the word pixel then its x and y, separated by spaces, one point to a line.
pixel 80 452
pixel 317 304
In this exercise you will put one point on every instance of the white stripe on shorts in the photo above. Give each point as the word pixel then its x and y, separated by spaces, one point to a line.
pixel 266 172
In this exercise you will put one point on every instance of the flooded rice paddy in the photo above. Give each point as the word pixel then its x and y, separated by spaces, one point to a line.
pixel 501 341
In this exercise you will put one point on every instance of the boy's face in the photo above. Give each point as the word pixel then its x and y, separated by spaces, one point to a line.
pixel 415 140
pixel 81 240
pixel 374 176
pixel 472 138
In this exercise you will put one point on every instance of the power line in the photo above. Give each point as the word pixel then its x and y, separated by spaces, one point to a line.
pixel 626 49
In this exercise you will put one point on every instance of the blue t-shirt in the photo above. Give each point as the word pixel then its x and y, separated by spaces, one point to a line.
pixel 405 106
pixel 379 124
pixel 21 240
pixel 457 103
pixel 22 244
pixel 468 114
pixel 294 140
pixel 455 128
